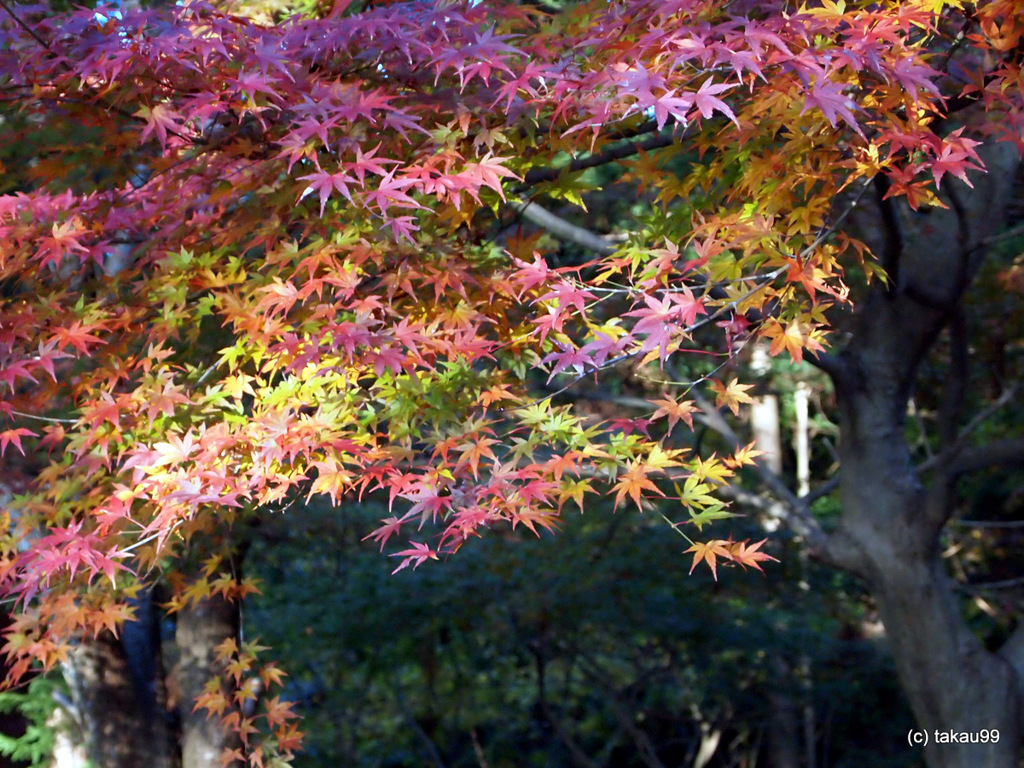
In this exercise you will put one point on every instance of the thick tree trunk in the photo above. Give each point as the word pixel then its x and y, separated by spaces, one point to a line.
pixel 201 628
pixel 121 696
pixel 891 522
pixel 121 728
pixel 951 681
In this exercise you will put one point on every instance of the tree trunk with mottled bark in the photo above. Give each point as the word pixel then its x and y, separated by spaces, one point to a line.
pixel 892 512
pixel 120 723
pixel 200 629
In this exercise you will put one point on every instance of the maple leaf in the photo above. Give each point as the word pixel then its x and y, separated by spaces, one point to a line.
pixel 830 99
pixel 107 410
pixel 415 556
pixel 743 457
pixel 957 156
pixel 708 552
pixel 664 321
pixel 731 395
pixel 14 436
pixel 160 119
pixel 76 335
pixel 279 712
pixel 610 342
pixel 63 239
pixel 575 490
pixel 325 183
pixel 475 449
pixel 369 162
pixel 528 275
pixel 289 738
pixel 390 192
pixel 496 394
pixel 271 674
pixel 488 172
pixel 709 515
pixel 668 105
pixel 675 411
pixel 747 554
pixel 175 450
pixel 793 339
pixel 567 293
pixel 331 480
pixel 694 493
pixel 706 101
pixel 531 518
pixel 633 483
pixel 711 469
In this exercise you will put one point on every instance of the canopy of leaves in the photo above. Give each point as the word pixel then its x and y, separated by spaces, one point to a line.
pixel 248 262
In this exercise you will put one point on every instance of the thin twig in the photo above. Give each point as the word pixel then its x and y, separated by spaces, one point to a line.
pixel 52 419
pixel 821 491
pixel 25 26
pixel 1004 584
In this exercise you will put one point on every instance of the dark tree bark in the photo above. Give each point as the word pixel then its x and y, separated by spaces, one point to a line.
pixel 200 629
pixel 131 711
pixel 892 513
pixel 120 724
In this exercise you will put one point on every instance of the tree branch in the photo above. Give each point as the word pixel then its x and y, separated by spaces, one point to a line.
pixel 25 27
pixel 618 152
pixel 645 749
pixel 947 456
pixel 563 229
pixel 1010 451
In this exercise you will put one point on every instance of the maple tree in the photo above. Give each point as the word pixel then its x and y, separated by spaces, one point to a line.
pixel 256 261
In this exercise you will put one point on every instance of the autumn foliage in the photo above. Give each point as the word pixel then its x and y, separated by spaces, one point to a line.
pixel 248 261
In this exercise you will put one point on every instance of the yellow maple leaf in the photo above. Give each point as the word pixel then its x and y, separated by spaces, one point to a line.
pixel 731 395
pixel 743 457
pixel 794 338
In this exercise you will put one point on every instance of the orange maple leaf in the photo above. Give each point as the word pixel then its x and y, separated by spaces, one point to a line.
pixel 675 410
pixel 633 483
pixel 794 338
pixel 709 552
pixel 731 395
pixel 742 457
pixel 747 554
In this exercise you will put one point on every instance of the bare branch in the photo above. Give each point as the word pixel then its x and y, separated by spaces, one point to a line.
pixel 944 459
pixel 645 749
pixel 989 523
pixel 1010 451
pixel 1016 581
pixel 51 419
pixel 428 743
pixel 1009 234
pixel 563 229
pixel 627 149
pixel 821 491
